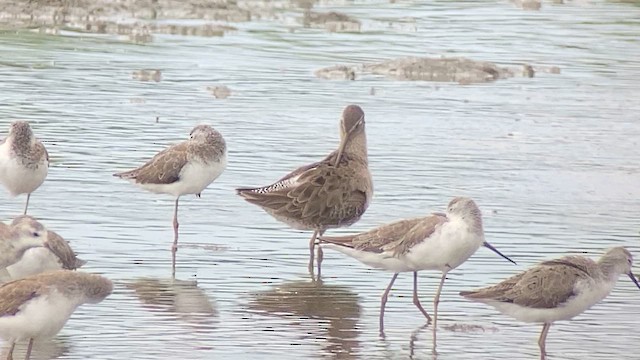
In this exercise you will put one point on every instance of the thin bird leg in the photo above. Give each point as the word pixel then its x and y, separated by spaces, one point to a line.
pixel 383 302
pixel 27 204
pixel 320 256
pixel 28 355
pixel 436 301
pixel 10 354
pixel 174 247
pixel 312 244
pixel 416 300
pixel 543 340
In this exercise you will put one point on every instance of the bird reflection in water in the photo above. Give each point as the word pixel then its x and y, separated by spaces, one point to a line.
pixel 179 297
pixel 334 308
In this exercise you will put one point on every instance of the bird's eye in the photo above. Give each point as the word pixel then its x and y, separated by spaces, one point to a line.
pixel 35 234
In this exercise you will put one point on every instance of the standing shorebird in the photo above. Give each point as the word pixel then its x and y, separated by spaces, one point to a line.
pixel 24 161
pixel 181 169
pixel 557 289
pixel 39 306
pixel 54 253
pixel 436 242
pixel 331 193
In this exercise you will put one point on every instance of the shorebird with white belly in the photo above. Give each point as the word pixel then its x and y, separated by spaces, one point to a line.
pixel 39 306
pixel 436 242
pixel 331 193
pixel 557 289
pixel 181 169
pixel 24 161
pixel 53 254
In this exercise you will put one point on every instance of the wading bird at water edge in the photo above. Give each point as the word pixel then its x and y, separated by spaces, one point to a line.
pixel 181 169
pixel 438 241
pixel 330 193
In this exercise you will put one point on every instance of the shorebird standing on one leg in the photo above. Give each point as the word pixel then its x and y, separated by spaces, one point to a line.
pixel 24 161
pixel 434 242
pixel 181 169
pixel 557 289
pixel 331 193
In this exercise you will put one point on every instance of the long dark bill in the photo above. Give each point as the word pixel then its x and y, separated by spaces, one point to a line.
pixel 633 278
pixel 490 247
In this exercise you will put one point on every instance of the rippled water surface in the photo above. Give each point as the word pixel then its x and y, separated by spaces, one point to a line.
pixel 551 160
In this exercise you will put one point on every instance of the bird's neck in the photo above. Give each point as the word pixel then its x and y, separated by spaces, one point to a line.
pixel 609 270
pixel 355 147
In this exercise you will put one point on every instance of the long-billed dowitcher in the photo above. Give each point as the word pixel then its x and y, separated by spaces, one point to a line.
pixel 181 169
pixel 39 306
pixel 434 242
pixel 330 193
pixel 54 253
pixel 557 289
pixel 24 161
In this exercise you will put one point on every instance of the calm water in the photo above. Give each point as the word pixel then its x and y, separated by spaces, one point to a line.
pixel 552 161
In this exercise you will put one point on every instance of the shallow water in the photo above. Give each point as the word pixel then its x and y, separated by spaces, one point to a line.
pixel 552 162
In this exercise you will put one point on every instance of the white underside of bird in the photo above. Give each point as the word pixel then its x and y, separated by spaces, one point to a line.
pixel 17 178
pixel 41 317
pixel 450 245
pixel 33 261
pixel 194 177
pixel 588 293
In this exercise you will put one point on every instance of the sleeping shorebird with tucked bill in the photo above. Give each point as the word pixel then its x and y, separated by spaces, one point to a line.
pixel 53 253
pixel 435 242
pixel 330 193
pixel 24 161
pixel 181 169
pixel 557 289
pixel 38 306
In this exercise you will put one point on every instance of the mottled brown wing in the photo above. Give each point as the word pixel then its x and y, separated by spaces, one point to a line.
pixel 164 168
pixel 416 234
pixel 40 149
pixel 321 194
pixel 60 247
pixel 14 294
pixel 376 239
pixel 544 286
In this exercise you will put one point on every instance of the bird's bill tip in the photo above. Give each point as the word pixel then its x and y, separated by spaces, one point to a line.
pixel 633 278
pixel 490 247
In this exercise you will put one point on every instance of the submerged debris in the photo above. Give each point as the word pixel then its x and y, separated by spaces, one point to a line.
pixel 338 72
pixel 331 21
pixel 220 92
pixel 147 75
pixel 455 69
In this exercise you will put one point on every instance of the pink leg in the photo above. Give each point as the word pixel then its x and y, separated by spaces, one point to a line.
pixel 383 302
pixel 312 247
pixel 10 354
pixel 28 355
pixel 436 301
pixel 542 341
pixel 174 247
pixel 416 300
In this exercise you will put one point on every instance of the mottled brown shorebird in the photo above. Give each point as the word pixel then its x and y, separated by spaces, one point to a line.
pixel 39 306
pixel 330 193
pixel 435 242
pixel 53 254
pixel 24 161
pixel 557 289
pixel 181 169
